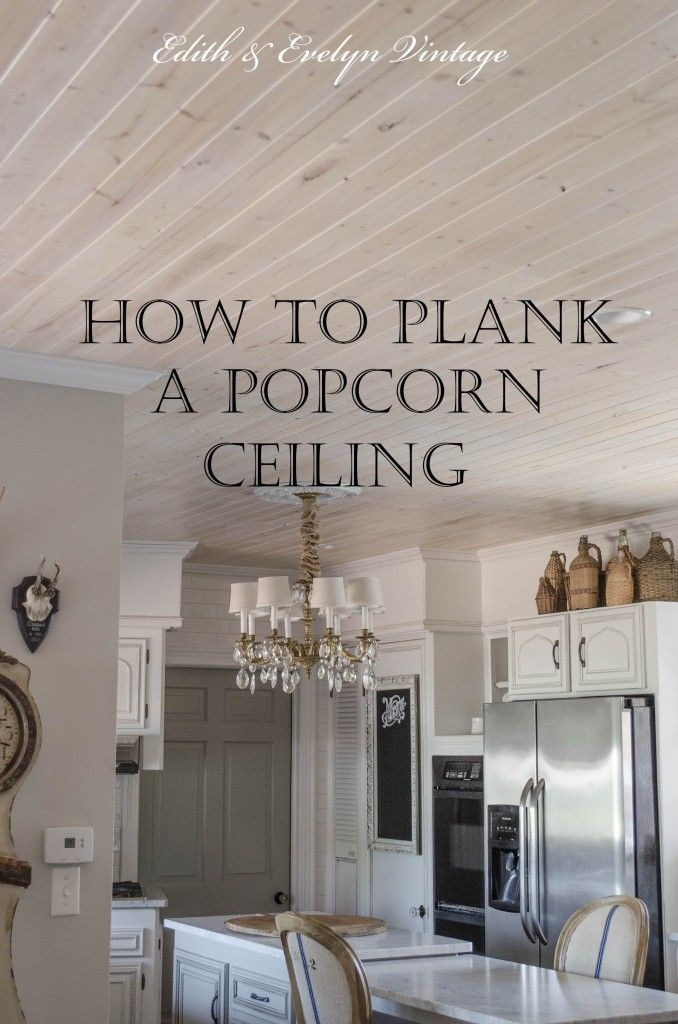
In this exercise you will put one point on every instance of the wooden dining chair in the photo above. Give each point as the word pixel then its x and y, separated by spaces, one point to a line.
pixel 606 939
pixel 327 979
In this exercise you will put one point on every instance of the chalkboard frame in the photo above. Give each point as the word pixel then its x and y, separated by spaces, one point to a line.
pixel 410 795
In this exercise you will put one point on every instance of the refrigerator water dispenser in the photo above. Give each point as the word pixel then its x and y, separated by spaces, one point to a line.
pixel 503 858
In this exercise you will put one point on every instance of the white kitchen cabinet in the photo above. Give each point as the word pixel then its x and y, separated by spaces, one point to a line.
pixel 141 670
pixel 133 659
pixel 136 966
pixel 606 649
pixel 125 994
pixel 573 654
pixel 199 990
pixel 539 656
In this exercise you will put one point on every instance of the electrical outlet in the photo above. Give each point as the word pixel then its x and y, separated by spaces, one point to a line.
pixel 65 891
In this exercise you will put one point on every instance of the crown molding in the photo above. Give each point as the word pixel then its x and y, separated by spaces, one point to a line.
pixel 176 658
pixel 160 547
pixel 495 629
pixel 150 622
pixel 83 374
pixel 453 626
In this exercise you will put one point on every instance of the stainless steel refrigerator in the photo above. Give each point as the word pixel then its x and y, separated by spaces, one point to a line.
pixel 570 815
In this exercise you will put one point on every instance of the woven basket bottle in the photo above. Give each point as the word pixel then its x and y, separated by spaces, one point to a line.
pixel 546 597
pixel 656 572
pixel 619 581
pixel 555 574
pixel 583 580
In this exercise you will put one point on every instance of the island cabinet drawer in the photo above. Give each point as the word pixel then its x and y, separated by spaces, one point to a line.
pixel 255 998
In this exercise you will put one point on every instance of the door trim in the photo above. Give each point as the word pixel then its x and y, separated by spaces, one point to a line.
pixel 303 778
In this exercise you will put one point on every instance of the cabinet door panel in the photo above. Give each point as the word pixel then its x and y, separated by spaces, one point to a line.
pixel 125 994
pixel 131 684
pixel 538 656
pixel 607 649
pixel 198 990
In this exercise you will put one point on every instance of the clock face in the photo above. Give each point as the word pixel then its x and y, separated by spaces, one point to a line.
pixel 18 733
pixel 11 732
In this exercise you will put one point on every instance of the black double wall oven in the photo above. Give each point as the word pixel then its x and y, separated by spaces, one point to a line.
pixel 459 854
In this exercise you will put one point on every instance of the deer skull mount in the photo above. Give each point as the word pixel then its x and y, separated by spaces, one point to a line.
pixel 35 601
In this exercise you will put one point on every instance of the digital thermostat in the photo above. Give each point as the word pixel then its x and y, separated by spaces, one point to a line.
pixel 73 845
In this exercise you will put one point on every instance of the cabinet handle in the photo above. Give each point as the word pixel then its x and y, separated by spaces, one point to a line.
pixel 582 659
pixel 214 1010
pixel 259 999
pixel 555 652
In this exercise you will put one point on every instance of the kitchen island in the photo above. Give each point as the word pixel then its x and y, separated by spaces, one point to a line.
pixel 222 976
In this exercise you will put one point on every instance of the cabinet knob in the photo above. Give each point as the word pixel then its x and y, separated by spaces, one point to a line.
pixel 281 898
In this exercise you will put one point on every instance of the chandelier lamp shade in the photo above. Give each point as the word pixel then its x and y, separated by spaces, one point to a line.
pixel 280 656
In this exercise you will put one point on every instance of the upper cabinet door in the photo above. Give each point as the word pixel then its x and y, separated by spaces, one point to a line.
pixel 538 656
pixel 607 649
pixel 132 661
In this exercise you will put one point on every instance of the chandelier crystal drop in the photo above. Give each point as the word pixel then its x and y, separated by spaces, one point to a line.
pixel 280 657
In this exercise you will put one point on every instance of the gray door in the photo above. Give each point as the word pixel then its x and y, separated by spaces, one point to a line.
pixel 586 823
pixel 215 823
pixel 510 761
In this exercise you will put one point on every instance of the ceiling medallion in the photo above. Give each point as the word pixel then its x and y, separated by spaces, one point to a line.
pixel 284 657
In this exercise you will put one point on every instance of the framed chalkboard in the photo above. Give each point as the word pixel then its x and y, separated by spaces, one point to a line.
pixel 393 765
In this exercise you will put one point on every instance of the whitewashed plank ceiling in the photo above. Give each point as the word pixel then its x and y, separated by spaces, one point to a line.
pixel 553 174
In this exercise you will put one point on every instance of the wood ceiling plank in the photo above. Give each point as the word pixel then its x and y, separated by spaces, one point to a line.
pixel 75 32
pixel 30 199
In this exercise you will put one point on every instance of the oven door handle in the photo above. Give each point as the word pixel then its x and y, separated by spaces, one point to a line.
pixel 524 859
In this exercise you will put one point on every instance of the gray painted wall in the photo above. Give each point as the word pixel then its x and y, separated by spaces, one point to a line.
pixel 61 462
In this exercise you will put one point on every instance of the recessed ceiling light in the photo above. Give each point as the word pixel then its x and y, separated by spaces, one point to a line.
pixel 622 315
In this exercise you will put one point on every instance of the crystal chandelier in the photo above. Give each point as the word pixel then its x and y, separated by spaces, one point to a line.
pixel 283 657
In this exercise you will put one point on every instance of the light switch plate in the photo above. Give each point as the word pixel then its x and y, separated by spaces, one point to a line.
pixel 65 891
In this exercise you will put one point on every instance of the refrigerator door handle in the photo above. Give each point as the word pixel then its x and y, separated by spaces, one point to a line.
pixel 524 859
pixel 629 809
pixel 536 865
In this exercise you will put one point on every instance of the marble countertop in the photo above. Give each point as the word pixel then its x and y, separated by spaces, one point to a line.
pixel 480 990
pixel 393 944
pixel 151 899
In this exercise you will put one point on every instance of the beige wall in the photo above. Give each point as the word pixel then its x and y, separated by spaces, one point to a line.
pixel 62 467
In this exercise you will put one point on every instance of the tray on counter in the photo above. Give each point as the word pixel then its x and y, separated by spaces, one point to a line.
pixel 344 924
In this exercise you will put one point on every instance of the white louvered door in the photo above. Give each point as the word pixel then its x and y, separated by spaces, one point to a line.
pixel 347 799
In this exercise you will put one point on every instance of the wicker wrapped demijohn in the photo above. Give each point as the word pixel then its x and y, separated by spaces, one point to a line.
pixel 583 580
pixel 619 581
pixel 555 574
pixel 656 571
pixel 546 597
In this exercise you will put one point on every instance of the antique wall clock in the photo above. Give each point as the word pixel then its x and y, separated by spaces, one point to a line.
pixel 20 736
